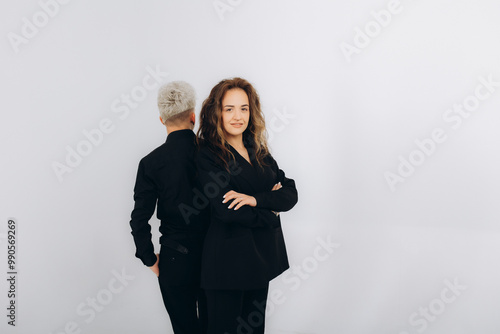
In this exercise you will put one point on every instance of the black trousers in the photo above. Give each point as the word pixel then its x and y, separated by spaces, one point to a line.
pixel 236 311
pixel 185 302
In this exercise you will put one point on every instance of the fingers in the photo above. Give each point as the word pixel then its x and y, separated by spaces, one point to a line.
pixel 155 269
pixel 245 201
pixel 233 195
pixel 276 186
pixel 236 201
pixel 229 195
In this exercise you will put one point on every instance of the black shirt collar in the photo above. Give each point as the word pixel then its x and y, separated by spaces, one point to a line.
pixel 180 134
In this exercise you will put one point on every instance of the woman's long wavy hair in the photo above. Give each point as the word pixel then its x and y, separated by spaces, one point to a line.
pixel 211 129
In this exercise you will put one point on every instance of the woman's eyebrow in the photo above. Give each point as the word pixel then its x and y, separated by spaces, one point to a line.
pixel 230 105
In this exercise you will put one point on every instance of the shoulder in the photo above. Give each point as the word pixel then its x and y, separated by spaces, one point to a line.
pixel 209 157
pixel 268 158
pixel 204 150
pixel 208 151
pixel 204 154
pixel 154 157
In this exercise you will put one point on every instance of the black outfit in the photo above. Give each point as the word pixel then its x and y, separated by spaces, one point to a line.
pixel 237 311
pixel 244 249
pixel 167 179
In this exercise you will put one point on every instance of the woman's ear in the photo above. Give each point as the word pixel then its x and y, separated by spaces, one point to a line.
pixel 161 120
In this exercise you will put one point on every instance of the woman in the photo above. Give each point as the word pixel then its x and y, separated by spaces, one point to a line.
pixel 244 248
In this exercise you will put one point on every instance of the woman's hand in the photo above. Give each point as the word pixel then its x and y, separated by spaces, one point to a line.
pixel 239 199
pixel 276 187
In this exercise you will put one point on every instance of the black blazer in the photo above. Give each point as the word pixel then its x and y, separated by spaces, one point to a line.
pixel 243 249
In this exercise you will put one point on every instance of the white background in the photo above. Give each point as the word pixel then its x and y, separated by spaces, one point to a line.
pixel 350 119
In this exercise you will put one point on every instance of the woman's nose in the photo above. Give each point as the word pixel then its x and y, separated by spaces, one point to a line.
pixel 237 115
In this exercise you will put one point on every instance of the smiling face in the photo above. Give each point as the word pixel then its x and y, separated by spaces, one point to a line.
pixel 235 113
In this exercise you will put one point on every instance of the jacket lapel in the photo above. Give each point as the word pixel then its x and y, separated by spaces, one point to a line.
pixel 246 171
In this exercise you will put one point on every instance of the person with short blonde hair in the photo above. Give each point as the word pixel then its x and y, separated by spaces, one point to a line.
pixel 167 180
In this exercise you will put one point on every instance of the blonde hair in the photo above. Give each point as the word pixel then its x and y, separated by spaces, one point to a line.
pixel 174 98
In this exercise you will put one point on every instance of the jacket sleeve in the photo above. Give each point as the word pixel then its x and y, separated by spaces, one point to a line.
pixel 145 197
pixel 215 182
pixel 280 200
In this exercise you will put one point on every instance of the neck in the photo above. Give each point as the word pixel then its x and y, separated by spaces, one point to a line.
pixel 235 141
pixel 171 129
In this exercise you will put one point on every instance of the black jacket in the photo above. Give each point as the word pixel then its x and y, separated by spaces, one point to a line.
pixel 167 180
pixel 243 249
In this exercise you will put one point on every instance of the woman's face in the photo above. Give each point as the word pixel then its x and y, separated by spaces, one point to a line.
pixel 235 112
